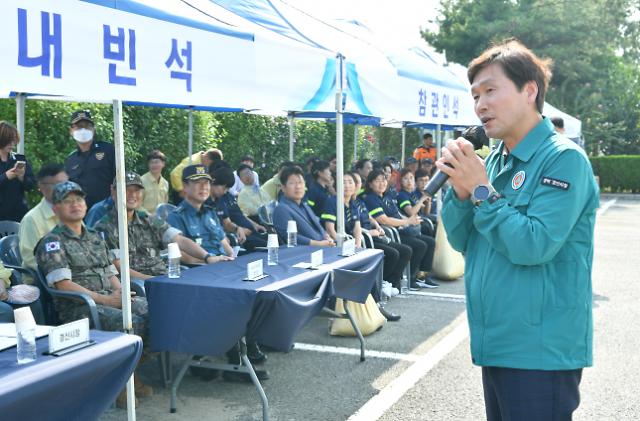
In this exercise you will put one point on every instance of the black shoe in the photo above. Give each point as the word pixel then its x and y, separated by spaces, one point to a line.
pixel 256 356
pixel 204 373
pixel 240 377
pixel 429 282
pixel 392 317
pixel 414 285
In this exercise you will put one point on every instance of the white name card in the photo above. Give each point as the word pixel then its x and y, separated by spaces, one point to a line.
pixel 349 247
pixel 316 258
pixel 68 335
pixel 255 271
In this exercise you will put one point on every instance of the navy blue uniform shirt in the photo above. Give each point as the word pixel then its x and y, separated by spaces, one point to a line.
pixel 94 170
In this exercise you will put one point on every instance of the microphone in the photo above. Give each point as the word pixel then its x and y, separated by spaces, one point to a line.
pixel 475 135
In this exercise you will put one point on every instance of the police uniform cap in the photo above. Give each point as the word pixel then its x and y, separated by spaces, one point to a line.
pixel 80 116
pixel 62 190
pixel 195 172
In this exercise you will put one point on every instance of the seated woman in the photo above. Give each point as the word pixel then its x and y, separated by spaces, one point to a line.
pixel 412 202
pixel 321 188
pixel 384 210
pixel 396 255
pixel 292 208
pixel 353 215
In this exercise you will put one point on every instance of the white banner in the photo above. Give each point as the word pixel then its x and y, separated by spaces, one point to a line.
pixel 84 50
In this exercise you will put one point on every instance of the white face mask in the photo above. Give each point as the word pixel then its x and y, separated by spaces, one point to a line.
pixel 83 135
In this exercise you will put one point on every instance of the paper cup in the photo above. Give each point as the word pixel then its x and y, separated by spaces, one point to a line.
pixel 174 251
pixel 272 239
pixel 24 318
pixel 292 227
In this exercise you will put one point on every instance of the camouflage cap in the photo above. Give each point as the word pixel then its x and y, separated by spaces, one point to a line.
pixel 62 190
pixel 131 178
pixel 195 172
pixel 81 115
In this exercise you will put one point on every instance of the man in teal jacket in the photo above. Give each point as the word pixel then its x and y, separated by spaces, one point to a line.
pixel 524 220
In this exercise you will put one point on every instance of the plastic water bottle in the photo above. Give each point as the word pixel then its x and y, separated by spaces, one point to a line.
pixel 292 234
pixel 173 262
pixel 272 249
pixel 404 285
pixel 26 345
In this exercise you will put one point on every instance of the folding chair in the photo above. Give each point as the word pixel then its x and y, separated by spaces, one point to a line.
pixel 9 228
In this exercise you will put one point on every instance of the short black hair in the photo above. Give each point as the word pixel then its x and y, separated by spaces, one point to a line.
pixel 243 167
pixel 156 154
pixel 318 166
pixel 286 164
pixel 404 172
pixel 288 172
pixel 421 172
pixel 214 156
pixel 360 163
pixel 558 122
pixel 247 158
pixel 50 170
pixel 218 164
pixel 222 176
pixel 427 136
pixel 372 176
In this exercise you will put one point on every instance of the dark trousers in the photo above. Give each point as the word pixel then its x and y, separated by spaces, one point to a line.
pixel 396 257
pixel 521 395
pixel 423 249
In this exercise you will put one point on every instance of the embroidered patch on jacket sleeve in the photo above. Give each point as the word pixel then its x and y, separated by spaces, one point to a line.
pixel 558 184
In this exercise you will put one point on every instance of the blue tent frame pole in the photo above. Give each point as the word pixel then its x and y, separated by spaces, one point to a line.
pixel 292 134
pixel 123 234
pixel 339 149
pixel 21 100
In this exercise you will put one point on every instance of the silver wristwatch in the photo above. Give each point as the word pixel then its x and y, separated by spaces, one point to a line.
pixel 482 192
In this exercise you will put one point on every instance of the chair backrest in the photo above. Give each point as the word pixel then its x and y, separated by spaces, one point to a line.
pixel 8 228
pixel 10 250
pixel 163 210
pixel 265 213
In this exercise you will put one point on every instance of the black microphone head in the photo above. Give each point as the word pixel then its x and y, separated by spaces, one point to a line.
pixel 477 136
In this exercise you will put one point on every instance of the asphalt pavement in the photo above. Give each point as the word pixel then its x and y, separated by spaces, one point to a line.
pixel 419 368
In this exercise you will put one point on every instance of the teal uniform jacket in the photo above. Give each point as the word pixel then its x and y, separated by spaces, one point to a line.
pixel 528 255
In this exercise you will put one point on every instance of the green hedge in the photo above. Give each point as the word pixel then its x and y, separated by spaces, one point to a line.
pixel 618 173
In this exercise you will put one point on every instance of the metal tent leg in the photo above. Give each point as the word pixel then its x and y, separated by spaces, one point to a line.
pixel 355 328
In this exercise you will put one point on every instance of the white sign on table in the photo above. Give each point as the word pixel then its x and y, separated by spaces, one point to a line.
pixel 348 248
pixel 69 337
pixel 255 271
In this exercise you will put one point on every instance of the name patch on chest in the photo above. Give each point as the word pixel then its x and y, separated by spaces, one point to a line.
pixel 558 184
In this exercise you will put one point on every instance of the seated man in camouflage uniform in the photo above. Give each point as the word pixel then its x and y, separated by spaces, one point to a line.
pixel 147 236
pixel 73 257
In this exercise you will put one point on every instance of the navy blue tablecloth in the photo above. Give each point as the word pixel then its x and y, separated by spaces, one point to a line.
pixel 209 308
pixel 77 386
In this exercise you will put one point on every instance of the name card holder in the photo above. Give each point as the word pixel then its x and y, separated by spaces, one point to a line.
pixel 69 337
pixel 255 271
pixel 316 259
pixel 348 248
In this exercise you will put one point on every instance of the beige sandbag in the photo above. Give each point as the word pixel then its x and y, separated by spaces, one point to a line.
pixel 367 316
pixel 448 264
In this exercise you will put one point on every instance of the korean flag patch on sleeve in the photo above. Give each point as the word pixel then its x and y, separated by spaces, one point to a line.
pixel 52 246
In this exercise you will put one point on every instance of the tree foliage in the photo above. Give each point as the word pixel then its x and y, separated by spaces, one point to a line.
pixel 594 45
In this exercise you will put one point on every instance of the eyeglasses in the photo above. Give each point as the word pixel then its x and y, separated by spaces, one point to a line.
pixel 68 201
